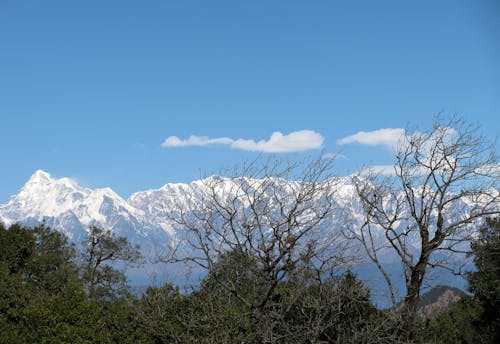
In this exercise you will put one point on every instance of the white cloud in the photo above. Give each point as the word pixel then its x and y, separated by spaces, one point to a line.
pixel 296 141
pixel 193 140
pixel 386 136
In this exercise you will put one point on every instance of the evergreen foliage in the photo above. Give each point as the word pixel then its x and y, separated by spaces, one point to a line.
pixel 48 297
pixel 44 298
pixel 42 295
pixel 485 282
pixel 102 248
pixel 475 318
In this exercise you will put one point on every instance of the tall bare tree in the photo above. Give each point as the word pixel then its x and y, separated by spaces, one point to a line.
pixel 444 182
pixel 274 214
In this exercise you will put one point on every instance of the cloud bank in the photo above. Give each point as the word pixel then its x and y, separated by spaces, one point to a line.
pixel 297 141
pixel 386 136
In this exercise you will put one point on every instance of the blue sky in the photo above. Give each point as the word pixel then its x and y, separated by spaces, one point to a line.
pixel 93 90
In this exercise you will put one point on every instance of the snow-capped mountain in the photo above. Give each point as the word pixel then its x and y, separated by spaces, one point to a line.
pixel 70 208
pixel 143 218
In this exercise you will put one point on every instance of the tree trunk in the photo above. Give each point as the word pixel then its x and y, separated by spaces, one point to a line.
pixel 413 293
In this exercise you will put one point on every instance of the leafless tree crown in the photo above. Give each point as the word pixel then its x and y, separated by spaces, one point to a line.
pixel 445 182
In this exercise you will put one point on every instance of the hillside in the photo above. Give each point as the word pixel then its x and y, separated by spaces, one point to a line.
pixel 437 300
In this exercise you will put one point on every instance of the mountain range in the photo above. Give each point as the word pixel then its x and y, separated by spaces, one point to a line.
pixel 144 217
pixel 70 208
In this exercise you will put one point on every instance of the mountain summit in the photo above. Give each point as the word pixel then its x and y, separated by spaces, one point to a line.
pixel 40 176
pixel 71 208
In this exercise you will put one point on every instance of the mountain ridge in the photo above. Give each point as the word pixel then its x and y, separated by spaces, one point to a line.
pixel 71 208
pixel 145 217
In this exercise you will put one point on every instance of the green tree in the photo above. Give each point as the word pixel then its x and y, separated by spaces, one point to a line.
pixel 334 310
pixel 101 250
pixel 52 265
pixel 168 316
pixel 484 283
pixel 107 286
pixel 453 326
pixel 475 318
pixel 224 305
pixel 43 300
pixel 16 247
pixel 302 309
pixel 18 244
pixel 65 317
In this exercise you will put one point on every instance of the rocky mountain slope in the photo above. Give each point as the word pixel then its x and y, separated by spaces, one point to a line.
pixel 437 300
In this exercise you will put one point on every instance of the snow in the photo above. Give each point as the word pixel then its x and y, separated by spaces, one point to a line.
pixel 71 208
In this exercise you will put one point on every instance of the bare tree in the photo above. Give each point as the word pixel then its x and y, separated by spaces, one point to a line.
pixel 445 182
pixel 273 214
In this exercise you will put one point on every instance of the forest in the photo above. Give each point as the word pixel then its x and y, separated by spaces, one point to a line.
pixel 54 293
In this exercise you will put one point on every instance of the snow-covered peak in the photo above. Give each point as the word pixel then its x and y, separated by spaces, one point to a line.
pixel 40 176
pixel 44 196
pixel 41 181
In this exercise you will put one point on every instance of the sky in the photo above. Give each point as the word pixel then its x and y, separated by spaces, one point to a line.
pixel 134 94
